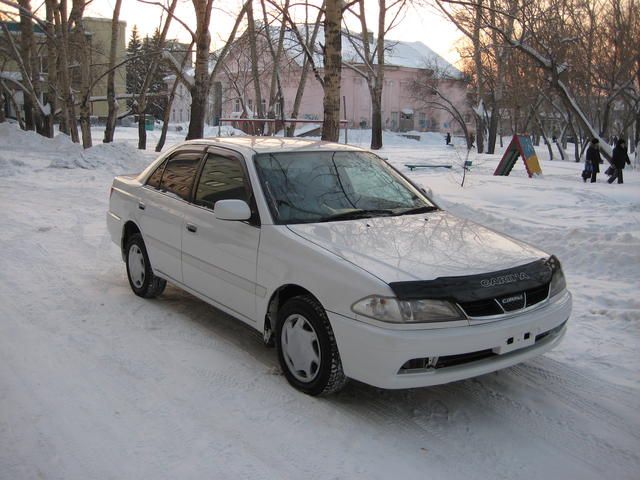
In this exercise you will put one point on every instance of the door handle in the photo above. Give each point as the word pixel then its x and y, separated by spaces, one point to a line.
pixel 141 206
pixel 192 228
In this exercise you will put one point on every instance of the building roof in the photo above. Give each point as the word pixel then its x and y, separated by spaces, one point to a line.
pixel 398 53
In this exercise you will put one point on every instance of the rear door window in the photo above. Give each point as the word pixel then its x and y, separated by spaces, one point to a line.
pixel 180 172
pixel 156 177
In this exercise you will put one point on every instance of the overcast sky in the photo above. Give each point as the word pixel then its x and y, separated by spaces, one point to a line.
pixel 421 24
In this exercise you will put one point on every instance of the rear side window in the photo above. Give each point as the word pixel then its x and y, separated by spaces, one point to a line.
pixel 154 179
pixel 179 174
pixel 222 179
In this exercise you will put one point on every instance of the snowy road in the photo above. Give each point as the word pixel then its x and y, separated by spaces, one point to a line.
pixel 96 383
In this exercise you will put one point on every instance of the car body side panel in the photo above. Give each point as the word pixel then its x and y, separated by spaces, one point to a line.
pixel 285 259
pixel 219 259
pixel 161 223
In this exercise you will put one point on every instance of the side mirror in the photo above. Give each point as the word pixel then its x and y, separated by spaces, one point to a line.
pixel 427 191
pixel 232 210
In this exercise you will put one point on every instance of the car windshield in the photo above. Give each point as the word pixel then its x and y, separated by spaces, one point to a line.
pixel 311 187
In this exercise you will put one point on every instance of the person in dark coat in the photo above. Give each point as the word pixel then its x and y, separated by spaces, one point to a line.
pixel 618 160
pixel 448 138
pixel 593 157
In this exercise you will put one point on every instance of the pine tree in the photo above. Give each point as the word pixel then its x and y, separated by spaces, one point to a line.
pixel 151 49
pixel 135 65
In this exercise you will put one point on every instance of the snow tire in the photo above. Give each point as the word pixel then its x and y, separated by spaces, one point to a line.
pixel 146 284
pixel 330 377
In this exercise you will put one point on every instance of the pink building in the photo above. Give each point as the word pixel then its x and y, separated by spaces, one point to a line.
pixel 404 109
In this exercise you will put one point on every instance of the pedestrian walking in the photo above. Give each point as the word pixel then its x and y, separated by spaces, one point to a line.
pixel 448 138
pixel 618 160
pixel 594 159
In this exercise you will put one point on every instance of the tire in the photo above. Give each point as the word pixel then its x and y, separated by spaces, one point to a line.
pixel 307 349
pixel 141 278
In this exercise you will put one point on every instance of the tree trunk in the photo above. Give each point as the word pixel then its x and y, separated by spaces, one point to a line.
pixel 68 107
pixel 493 128
pixel 111 90
pixel 544 136
pixel 275 91
pixel 376 118
pixel 10 96
pixel 376 91
pixel 303 76
pixel 2 106
pixel 255 73
pixel 332 70
pixel 477 58
pixel 26 52
pixel 166 116
pixel 52 70
pixel 167 111
pixel 200 89
pixel 83 49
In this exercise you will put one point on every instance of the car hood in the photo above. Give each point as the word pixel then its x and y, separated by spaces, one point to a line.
pixel 419 247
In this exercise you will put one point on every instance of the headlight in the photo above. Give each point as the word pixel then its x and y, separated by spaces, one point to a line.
pixel 558 283
pixel 390 309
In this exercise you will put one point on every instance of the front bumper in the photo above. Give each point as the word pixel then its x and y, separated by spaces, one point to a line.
pixel 375 355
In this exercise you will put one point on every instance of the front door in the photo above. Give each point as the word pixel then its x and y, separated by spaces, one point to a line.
pixel 219 256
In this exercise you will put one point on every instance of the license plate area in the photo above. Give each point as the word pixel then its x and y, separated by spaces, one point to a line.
pixel 515 342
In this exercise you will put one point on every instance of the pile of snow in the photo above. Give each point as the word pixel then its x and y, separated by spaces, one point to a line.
pixel 24 149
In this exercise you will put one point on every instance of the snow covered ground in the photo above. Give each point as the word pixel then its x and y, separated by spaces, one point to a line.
pixel 96 383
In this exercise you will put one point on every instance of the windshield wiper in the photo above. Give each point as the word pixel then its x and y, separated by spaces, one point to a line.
pixel 357 213
pixel 421 209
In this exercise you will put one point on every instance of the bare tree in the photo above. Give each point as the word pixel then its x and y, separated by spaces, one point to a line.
pixel 111 91
pixel 429 91
pixel 370 57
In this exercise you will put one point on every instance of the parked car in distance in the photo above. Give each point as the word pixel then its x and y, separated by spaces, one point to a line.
pixel 337 258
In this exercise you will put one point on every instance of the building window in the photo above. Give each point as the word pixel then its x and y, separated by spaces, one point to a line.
pixel 422 120
pixel 236 105
pixel 250 105
pixel 264 106
pixel 277 109
pixel 394 120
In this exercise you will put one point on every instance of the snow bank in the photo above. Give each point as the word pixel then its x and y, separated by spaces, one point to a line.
pixel 24 150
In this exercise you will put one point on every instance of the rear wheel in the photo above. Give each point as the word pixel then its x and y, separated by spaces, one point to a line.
pixel 307 349
pixel 141 278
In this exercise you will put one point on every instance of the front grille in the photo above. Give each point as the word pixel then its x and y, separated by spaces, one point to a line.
pixel 492 306
pixel 537 295
pixel 481 308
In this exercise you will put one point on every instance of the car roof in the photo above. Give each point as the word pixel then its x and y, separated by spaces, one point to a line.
pixel 249 144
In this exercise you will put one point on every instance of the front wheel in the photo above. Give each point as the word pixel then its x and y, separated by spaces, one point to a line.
pixel 307 350
pixel 141 278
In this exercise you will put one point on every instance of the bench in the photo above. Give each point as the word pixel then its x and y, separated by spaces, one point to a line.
pixel 413 166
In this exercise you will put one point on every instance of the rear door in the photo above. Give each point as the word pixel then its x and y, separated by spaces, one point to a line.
pixel 219 256
pixel 162 205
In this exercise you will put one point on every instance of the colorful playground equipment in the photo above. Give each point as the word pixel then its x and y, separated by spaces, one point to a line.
pixel 520 146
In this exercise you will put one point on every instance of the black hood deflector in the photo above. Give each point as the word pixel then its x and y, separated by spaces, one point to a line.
pixel 478 287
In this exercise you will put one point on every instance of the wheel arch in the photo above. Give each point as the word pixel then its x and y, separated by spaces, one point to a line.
pixel 278 298
pixel 129 229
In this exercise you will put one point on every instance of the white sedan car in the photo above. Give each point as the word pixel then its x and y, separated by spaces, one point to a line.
pixel 337 258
